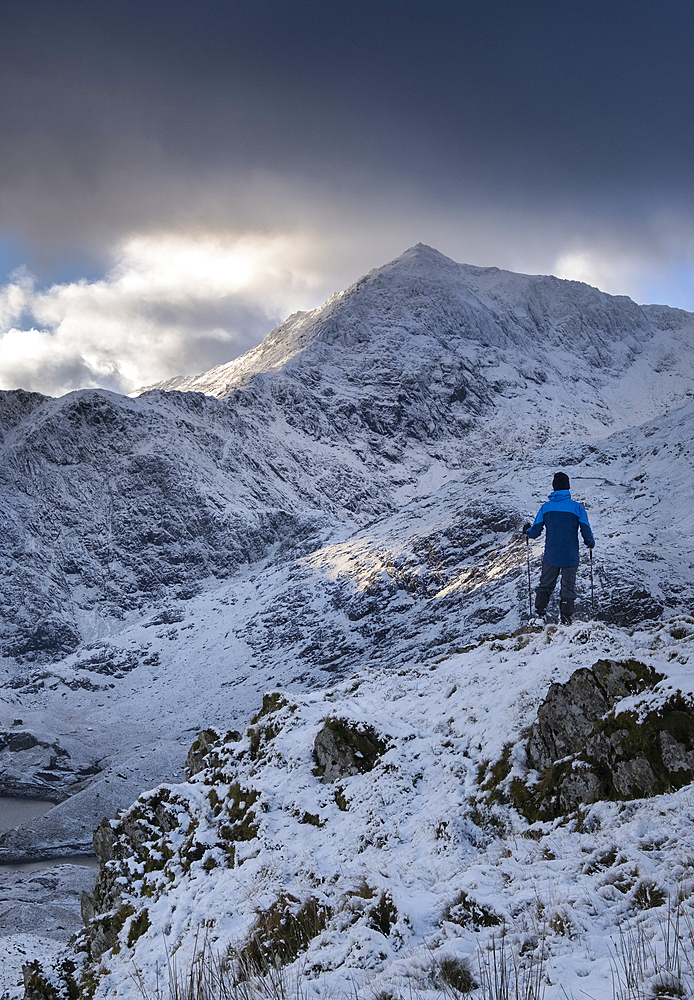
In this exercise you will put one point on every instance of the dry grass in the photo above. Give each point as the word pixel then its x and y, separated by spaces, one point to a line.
pixel 651 960
pixel 507 975
pixel 659 965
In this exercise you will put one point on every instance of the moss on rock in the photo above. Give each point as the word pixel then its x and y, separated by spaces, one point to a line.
pixel 583 752
pixel 342 748
pixel 272 702
pixel 206 741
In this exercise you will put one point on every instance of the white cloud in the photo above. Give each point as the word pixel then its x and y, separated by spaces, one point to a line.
pixel 645 271
pixel 172 303
pixel 606 272
pixel 181 300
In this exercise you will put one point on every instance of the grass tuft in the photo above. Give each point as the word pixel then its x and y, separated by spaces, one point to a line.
pixel 455 972
pixel 280 933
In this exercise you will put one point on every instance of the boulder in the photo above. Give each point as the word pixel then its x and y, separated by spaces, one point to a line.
pixel 334 758
pixel 584 749
pixel 569 712
pixel 342 748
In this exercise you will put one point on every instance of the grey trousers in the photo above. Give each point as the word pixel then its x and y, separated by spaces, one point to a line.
pixel 548 581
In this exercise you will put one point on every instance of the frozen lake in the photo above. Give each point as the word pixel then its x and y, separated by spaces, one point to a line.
pixel 83 860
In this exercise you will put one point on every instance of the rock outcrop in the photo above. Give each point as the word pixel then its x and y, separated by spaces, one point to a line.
pixel 32 768
pixel 170 828
pixel 342 748
pixel 584 749
pixel 569 712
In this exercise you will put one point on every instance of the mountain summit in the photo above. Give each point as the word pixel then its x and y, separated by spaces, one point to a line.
pixel 428 331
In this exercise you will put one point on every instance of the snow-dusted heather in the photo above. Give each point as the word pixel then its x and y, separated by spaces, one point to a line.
pixel 419 828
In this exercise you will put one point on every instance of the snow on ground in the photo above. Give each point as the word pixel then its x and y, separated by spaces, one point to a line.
pixel 353 493
pixel 418 828
pixel 39 910
pixel 18 950
pixel 339 523
pixel 446 569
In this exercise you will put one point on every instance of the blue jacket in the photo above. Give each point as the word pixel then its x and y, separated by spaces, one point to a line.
pixel 562 517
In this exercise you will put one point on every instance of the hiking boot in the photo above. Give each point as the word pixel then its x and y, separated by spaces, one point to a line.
pixel 566 611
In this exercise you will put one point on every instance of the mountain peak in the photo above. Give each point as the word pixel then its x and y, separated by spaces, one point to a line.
pixel 424 250
pixel 423 301
pixel 423 254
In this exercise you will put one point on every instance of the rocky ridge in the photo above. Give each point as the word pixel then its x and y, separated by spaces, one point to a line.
pixel 400 854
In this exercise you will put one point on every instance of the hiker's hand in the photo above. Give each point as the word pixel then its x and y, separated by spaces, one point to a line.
pixel 526 527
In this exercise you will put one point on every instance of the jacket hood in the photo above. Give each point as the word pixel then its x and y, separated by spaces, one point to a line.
pixel 557 495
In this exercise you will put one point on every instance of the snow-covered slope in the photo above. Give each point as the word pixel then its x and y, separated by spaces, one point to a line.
pixel 345 498
pixel 404 868
pixel 359 483
pixel 110 504
pixel 528 358
pixel 446 569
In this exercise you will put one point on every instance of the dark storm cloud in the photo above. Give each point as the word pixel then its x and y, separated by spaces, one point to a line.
pixel 515 102
pixel 145 145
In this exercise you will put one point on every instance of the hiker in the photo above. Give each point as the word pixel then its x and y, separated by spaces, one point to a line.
pixel 562 517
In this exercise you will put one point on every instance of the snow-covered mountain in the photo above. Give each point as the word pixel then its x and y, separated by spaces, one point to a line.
pixel 344 500
pixel 422 334
pixel 341 415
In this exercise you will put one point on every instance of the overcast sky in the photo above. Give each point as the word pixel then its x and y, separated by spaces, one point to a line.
pixel 175 178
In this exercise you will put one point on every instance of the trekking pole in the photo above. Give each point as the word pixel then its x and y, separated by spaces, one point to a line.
pixel 530 592
pixel 592 593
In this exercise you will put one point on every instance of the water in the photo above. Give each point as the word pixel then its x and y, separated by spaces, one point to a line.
pixel 14 811
pixel 84 860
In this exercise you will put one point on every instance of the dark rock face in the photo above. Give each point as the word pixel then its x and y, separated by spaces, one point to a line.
pixel 103 910
pixel 34 769
pixel 622 604
pixel 569 712
pixel 103 841
pixel 585 752
pixel 341 749
pixel 105 896
pixel 199 752
pixel 51 638
pixel 113 504
pixel 333 757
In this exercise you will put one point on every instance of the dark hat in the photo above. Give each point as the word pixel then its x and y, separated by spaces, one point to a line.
pixel 561 481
